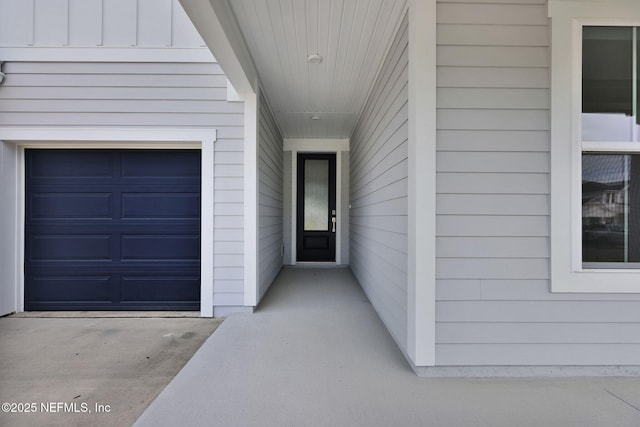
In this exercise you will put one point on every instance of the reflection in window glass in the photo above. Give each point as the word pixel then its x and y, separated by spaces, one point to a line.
pixel 316 195
pixel 610 208
pixel 607 84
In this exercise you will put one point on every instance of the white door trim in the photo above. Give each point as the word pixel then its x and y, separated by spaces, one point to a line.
pixel 296 146
pixel 88 138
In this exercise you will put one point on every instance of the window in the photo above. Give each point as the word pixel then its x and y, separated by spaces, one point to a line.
pixel 610 181
pixel 609 84
pixel 595 146
pixel 610 210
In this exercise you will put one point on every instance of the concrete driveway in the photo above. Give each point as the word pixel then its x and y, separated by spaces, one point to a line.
pixel 80 371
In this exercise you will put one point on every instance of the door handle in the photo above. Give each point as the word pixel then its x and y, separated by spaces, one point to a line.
pixel 333 220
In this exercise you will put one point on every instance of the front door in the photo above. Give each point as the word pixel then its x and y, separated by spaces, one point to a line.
pixel 316 211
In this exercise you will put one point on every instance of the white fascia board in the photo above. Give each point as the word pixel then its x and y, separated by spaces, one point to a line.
pixel 421 280
pixel 315 145
pixel 232 93
pixel 218 27
pixel 107 54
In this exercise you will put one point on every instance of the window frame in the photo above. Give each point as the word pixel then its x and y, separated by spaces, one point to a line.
pixel 567 19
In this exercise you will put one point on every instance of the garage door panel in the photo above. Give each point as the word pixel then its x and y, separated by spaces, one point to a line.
pixel 71 206
pixel 71 163
pixel 164 288
pixel 160 206
pixel 55 289
pixel 112 230
pixel 182 164
pixel 160 248
pixel 70 248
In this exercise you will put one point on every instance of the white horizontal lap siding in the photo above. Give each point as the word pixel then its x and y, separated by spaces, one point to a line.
pixel 117 94
pixel 378 192
pixel 270 198
pixel 228 247
pixel 493 301
pixel 145 95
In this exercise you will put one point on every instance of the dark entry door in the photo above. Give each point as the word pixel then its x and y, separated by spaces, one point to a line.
pixel 112 230
pixel 316 216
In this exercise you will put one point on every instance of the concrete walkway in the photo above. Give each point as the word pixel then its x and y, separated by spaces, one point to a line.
pixel 316 354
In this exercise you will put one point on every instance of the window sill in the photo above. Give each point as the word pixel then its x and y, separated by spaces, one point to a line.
pixel 606 281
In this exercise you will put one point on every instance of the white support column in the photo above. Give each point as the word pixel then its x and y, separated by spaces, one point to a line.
pixel 207 227
pixel 10 222
pixel 251 103
pixel 294 206
pixel 422 182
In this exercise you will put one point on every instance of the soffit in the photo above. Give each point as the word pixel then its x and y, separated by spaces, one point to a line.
pixel 352 36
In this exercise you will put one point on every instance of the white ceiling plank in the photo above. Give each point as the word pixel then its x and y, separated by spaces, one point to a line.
pixel 356 53
pixel 333 30
pixel 300 23
pixel 352 36
pixel 344 54
pixel 276 17
pixel 378 38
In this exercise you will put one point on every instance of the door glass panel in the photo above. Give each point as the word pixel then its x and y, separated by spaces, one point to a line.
pixel 316 195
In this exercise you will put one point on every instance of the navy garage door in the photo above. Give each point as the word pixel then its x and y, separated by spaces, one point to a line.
pixel 112 230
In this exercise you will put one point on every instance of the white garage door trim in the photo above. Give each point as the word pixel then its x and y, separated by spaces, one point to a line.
pixel 202 139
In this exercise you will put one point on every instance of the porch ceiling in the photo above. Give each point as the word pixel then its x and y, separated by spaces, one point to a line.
pixel 352 36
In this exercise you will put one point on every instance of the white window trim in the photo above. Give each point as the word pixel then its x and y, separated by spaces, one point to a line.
pixel 121 138
pixel 567 19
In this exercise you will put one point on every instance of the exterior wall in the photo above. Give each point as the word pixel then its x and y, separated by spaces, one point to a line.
pixel 118 94
pixel 228 273
pixel 270 198
pixel 379 170
pixel 149 95
pixel 494 306
pixel 110 88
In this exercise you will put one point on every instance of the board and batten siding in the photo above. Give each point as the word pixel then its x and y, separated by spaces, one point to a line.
pixel 494 305
pixel 145 95
pixel 270 198
pixel 378 191
pixel 96 23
